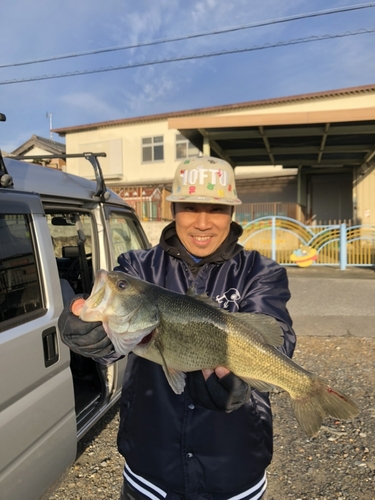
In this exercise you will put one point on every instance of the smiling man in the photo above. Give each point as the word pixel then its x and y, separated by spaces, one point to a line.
pixel 202 228
pixel 214 441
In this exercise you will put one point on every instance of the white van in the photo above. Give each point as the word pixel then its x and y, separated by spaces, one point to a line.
pixel 56 231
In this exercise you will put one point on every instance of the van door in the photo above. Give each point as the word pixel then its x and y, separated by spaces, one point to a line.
pixel 37 418
pixel 124 233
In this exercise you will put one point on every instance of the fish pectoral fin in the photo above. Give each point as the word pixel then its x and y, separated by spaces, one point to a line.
pixel 176 379
pixel 259 384
pixel 267 326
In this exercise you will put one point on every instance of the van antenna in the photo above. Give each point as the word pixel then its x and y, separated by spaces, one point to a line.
pixel 49 116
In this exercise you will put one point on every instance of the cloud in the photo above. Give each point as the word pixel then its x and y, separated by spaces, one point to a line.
pixel 149 88
pixel 144 20
pixel 45 28
pixel 86 104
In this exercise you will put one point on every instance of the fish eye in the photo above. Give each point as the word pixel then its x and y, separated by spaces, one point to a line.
pixel 121 285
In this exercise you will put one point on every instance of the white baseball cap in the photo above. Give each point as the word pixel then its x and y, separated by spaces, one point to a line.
pixel 204 179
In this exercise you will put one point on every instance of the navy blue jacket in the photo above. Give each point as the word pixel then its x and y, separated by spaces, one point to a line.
pixel 164 438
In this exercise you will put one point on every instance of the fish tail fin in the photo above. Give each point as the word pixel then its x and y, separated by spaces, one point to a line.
pixel 322 401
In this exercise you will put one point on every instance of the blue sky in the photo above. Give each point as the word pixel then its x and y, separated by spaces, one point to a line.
pixel 42 29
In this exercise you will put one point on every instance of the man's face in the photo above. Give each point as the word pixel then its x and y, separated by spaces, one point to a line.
pixel 202 227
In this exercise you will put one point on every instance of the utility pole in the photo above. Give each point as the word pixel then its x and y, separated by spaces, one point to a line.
pixel 49 116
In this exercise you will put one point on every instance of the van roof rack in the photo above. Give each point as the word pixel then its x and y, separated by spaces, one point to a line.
pixel 101 189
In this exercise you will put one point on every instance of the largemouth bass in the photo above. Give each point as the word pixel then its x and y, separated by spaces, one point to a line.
pixel 190 332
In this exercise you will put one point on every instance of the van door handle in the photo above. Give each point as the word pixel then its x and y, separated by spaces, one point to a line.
pixel 50 346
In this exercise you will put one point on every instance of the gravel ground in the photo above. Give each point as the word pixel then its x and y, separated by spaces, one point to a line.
pixel 338 464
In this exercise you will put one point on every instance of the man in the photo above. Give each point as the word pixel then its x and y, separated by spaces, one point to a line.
pixel 214 441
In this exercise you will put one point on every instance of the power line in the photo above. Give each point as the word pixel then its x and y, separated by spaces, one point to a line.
pixel 187 58
pixel 197 35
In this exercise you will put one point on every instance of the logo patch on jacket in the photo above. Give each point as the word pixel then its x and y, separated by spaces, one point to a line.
pixel 231 295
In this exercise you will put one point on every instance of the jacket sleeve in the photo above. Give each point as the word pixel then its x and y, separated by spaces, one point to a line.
pixel 130 264
pixel 268 293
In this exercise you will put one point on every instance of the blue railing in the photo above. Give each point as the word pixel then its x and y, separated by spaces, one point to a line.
pixel 290 242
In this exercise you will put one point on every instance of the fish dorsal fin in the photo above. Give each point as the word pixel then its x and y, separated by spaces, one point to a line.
pixel 191 291
pixel 265 325
pixel 202 297
pixel 176 378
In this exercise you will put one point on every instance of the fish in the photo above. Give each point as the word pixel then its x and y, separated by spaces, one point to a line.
pixel 190 332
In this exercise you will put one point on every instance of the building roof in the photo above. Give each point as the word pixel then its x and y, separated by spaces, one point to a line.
pixel 315 139
pixel 366 89
pixel 36 141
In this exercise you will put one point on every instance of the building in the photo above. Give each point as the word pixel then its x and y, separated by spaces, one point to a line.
pixel 308 156
pixel 39 146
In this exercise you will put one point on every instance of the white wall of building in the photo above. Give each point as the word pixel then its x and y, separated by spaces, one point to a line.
pixel 364 196
pixel 123 146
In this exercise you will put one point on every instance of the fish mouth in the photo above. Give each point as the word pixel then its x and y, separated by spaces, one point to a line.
pixel 97 297
pixel 98 289
pixel 93 309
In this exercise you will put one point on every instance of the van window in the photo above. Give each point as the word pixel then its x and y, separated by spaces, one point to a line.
pixel 20 292
pixel 64 229
pixel 124 234
pixel 72 239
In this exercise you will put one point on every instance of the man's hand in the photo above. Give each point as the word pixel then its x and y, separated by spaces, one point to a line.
pixel 87 339
pixel 217 389
pixel 220 371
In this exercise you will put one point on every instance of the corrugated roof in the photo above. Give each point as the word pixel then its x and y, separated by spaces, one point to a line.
pixel 226 107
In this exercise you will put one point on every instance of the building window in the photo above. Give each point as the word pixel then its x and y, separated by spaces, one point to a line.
pixel 184 148
pixel 152 148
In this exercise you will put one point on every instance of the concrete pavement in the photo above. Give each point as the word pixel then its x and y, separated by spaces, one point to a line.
pixel 329 302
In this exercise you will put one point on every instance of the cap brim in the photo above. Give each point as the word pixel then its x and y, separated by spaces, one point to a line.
pixel 204 199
